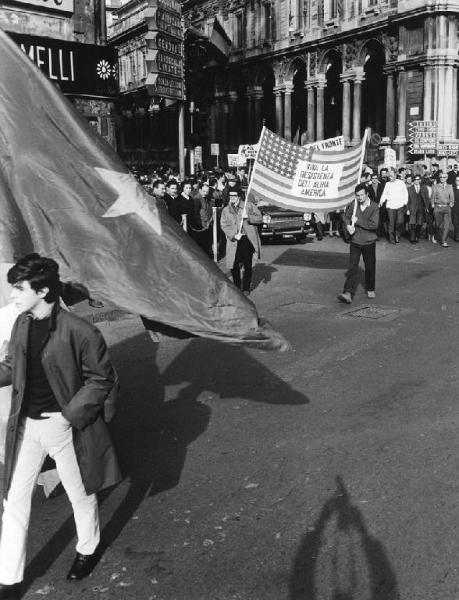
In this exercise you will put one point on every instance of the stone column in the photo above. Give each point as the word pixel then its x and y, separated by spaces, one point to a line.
pixel 250 118
pixel 357 109
pixel 401 122
pixel 346 115
pixel 258 97
pixel 449 97
pixel 288 111
pixel 311 113
pixel 454 105
pixel 279 111
pixel 221 120
pixel 390 105
pixel 232 125
pixel 320 110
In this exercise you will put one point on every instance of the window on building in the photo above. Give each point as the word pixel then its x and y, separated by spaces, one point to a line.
pixel 372 2
pixel 268 16
pixel 333 9
pixel 239 32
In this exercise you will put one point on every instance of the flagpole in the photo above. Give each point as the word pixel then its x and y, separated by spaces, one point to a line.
pixel 362 156
pixel 251 177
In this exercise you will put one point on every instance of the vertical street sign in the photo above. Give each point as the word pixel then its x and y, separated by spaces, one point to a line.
pixel 164 54
pixel 423 137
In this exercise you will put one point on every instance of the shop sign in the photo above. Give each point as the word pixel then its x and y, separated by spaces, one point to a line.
pixel 81 69
pixel 51 5
pixel 445 149
pixel 215 149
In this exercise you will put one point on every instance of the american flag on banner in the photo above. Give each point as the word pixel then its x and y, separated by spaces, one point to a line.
pixel 299 178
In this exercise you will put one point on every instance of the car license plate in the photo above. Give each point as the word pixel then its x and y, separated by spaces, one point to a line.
pixel 288 235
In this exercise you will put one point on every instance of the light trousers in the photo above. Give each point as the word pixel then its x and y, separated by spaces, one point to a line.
pixel 36 439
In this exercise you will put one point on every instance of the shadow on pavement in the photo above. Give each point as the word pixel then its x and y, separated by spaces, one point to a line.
pixel 152 435
pixel 340 559
pixel 313 260
pixel 262 273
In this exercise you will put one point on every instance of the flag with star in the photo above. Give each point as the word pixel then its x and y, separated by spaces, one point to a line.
pixel 67 195
pixel 304 178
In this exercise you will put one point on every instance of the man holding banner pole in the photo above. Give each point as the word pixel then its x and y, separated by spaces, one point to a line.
pixel 361 219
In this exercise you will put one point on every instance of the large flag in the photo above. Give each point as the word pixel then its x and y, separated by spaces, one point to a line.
pixel 307 178
pixel 66 194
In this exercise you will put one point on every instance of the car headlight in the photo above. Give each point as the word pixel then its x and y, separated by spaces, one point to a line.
pixel 307 216
pixel 266 218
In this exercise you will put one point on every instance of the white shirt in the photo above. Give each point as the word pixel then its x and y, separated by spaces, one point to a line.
pixel 395 194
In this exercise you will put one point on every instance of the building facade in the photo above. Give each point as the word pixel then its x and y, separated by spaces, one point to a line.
pixel 311 69
pixel 148 36
pixel 66 39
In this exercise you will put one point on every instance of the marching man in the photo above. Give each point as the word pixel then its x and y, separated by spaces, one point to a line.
pixel 361 219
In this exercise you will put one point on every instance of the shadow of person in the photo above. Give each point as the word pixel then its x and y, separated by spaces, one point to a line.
pixel 229 372
pixel 313 260
pixel 340 559
pixel 152 434
pixel 262 273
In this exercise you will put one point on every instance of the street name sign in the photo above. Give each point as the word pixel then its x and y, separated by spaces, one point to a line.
pixel 164 55
pixel 423 137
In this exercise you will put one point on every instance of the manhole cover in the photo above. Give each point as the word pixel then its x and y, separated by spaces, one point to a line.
pixel 373 312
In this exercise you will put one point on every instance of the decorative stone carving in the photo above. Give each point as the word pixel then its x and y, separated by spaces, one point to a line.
pixel 350 54
pixel 312 65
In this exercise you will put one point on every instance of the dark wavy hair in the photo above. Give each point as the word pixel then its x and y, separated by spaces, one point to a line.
pixel 40 272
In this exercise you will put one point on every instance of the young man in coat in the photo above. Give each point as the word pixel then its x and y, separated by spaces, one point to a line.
pixel 361 218
pixel 62 379
pixel 239 224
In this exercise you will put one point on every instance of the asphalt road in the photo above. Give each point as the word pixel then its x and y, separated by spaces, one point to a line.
pixel 330 472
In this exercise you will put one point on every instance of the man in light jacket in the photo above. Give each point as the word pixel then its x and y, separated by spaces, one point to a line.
pixel 395 196
pixel 238 223
pixel 62 380
pixel 442 201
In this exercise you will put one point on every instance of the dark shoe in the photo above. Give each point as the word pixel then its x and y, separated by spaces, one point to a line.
pixel 10 592
pixel 95 303
pixel 82 566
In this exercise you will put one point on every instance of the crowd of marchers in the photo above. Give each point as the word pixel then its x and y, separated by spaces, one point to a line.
pixel 414 204
pixel 421 204
pixel 211 208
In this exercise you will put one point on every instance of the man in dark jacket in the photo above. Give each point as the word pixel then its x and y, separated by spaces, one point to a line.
pixel 62 378
pixel 418 204
pixel 375 190
pixel 361 218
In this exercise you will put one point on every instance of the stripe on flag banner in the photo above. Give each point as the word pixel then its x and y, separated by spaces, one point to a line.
pixel 298 178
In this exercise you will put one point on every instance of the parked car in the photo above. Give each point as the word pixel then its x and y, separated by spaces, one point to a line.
pixel 280 223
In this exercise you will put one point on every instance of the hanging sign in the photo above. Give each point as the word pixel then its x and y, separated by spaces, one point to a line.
pixel 76 68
